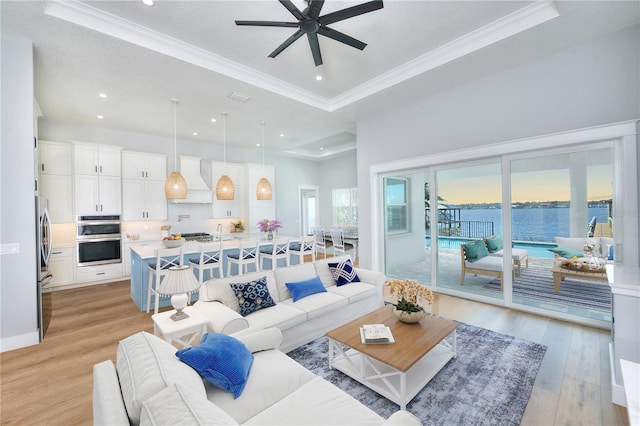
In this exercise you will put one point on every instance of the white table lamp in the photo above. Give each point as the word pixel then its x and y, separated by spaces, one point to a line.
pixel 179 283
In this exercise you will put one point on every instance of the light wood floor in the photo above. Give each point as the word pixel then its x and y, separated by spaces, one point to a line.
pixel 51 383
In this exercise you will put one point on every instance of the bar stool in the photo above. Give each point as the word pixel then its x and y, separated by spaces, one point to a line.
pixel 165 259
pixel 337 239
pixel 209 260
pixel 318 232
pixel 278 250
pixel 243 258
pixel 303 247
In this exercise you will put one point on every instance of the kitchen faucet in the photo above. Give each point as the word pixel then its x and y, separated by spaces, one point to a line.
pixel 219 228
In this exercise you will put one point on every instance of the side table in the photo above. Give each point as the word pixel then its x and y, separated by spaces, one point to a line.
pixel 183 332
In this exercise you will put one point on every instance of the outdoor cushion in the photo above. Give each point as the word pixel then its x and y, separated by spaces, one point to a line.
pixel 252 295
pixel 493 243
pixel 488 263
pixel 516 254
pixel 222 360
pixel 567 252
pixel 475 251
pixel 300 289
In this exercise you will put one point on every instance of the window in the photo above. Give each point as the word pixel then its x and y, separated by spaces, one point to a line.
pixel 397 206
pixel 345 206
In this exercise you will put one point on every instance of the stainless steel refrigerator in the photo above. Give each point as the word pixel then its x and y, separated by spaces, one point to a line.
pixel 44 235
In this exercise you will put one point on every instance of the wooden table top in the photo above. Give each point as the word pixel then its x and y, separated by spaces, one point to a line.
pixel 412 341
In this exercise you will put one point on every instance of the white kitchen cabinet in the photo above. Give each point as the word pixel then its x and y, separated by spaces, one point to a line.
pixel 62 266
pixel 142 165
pixel 126 254
pixel 55 158
pixel 87 274
pixel 90 159
pixel 229 208
pixel 143 195
pixel 143 200
pixel 58 191
pixel 259 209
pixel 98 194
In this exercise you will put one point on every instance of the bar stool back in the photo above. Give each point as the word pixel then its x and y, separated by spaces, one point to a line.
pixel 165 259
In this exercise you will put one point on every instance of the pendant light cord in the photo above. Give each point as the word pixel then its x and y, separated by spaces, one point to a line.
pixel 175 136
pixel 224 140
pixel 263 125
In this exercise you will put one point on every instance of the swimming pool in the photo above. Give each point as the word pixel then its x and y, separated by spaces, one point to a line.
pixel 534 249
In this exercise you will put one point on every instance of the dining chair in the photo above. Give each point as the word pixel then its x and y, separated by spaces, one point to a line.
pixel 318 233
pixel 307 245
pixel 165 259
pixel 277 249
pixel 245 256
pixel 210 259
pixel 337 239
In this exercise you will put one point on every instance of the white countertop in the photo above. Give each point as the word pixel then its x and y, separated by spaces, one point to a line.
pixel 147 251
pixel 624 279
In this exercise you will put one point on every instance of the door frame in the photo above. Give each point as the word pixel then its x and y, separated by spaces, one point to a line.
pixel 303 191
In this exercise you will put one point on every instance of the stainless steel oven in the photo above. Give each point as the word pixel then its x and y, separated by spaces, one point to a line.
pixel 99 240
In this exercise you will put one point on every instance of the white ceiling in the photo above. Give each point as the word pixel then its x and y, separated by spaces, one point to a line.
pixel 142 56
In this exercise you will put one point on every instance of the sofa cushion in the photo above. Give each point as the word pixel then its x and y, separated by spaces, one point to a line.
pixel 282 316
pixel 343 272
pixel 178 405
pixel 323 271
pixel 566 252
pixel 273 376
pixel 222 360
pixel 146 365
pixel 578 243
pixel 319 304
pixel 475 251
pixel 252 295
pixel 355 291
pixel 300 289
pixel 292 274
pixel 317 402
pixel 493 243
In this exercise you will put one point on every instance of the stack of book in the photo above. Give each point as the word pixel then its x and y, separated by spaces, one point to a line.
pixel 376 333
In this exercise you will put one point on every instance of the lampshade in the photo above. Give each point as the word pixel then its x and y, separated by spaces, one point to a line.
pixel 224 188
pixel 175 187
pixel 263 190
pixel 179 283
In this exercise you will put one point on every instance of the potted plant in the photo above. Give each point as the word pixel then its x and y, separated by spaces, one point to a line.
pixel 269 226
pixel 237 226
pixel 411 297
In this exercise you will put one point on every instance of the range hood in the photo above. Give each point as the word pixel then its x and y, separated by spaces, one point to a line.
pixel 197 189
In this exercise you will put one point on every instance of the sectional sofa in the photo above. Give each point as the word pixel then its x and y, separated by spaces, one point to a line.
pixel 149 385
pixel 300 320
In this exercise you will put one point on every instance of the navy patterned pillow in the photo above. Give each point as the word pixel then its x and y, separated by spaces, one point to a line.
pixel 252 296
pixel 344 272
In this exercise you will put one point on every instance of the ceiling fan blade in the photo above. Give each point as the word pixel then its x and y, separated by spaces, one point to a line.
pixel 268 24
pixel 315 6
pixel 350 12
pixel 315 48
pixel 341 37
pixel 286 43
pixel 292 8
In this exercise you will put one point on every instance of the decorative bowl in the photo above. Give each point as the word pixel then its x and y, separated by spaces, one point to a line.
pixel 173 243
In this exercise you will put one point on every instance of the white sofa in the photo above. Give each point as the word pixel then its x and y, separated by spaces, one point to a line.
pixel 600 245
pixel 149 385
pixel 301 321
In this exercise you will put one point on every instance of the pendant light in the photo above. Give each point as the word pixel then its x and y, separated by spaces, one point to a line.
pixel 263 190
pixel 224 188
pixel 175 187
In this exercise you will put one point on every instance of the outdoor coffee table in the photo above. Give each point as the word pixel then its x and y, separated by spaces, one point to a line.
pixel 560 273
pixel 397 371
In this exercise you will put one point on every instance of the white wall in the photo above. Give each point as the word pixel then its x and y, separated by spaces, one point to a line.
pixel 590 84
pixel 18 293
pixel 335 173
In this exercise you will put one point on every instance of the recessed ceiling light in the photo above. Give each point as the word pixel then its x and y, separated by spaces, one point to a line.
pixel 103 95
pixel 195 133
pixel 282 135
pixel 213 120
pixel 321 149
pixel 148 2
pixel 318 77
pixel 100 117
pixel 257 144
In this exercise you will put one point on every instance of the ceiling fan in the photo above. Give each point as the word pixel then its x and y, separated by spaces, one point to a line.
pixel 311 23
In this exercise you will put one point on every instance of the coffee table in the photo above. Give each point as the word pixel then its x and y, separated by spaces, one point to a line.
pixel 560 273
pixel 397 371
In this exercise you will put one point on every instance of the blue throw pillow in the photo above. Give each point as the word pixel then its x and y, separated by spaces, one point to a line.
pixel 300 289
pixel 494 243
pixel 344 272
pixel 610 252
pixel 220 359
pixel 475 251
pixel 252 296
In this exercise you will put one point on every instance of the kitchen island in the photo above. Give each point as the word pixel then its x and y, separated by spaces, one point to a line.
pixel 142 255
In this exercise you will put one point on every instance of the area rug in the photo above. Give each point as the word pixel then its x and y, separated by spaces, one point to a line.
pixel 488 383
pixel 537 283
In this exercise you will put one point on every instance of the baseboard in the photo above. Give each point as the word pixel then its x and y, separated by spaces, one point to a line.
pixel 20 341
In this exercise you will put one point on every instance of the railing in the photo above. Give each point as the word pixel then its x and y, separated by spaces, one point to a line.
pixel 450 225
